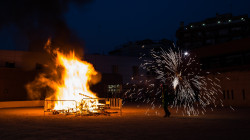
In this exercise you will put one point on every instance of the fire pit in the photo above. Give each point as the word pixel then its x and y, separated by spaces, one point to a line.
pixel 87 106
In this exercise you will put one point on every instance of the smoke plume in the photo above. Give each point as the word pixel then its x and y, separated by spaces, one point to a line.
pixel 40 19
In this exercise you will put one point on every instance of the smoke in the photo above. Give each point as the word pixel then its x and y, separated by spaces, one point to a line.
pixel 38 20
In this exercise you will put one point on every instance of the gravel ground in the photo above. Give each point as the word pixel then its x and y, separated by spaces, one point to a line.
pixel 134 123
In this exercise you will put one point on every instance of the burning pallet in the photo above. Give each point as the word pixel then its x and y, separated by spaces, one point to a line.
pixel 87 106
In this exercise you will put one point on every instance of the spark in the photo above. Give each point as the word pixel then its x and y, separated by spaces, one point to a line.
pixel 186 53
pixel 181 72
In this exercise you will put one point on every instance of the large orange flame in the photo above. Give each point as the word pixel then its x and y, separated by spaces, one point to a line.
pixel 68 79
pixel 75 82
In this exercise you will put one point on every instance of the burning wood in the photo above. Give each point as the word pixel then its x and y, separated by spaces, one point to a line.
pixel 104 106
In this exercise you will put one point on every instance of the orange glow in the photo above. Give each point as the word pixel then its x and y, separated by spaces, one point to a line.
pixel 70 82
pixel 66 82
pixel 75 83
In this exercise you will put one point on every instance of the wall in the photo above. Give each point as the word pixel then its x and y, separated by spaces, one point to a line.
pixel 14 104
pixel 239 80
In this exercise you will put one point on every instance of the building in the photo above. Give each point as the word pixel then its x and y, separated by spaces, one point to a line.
pixel 140 48
pixel 212 31
pixel 222 44
pixel 228 56
pixel 230 63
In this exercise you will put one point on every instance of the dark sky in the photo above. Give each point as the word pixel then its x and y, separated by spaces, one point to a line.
pixel 104 24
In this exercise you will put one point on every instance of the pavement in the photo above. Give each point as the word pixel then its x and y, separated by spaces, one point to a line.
pixel 136 122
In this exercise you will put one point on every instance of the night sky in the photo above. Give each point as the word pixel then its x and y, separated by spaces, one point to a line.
pixel 105 24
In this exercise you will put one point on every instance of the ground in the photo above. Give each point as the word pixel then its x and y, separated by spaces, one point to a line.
pixel 134 123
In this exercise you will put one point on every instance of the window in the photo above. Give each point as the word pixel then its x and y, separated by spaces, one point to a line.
pixel 114 69
pixel 187 44
pixel 223 32
pixel 10 64
pixel 135 70
pixel 236 29
pixel 224 95
pixel 39 66
pixel 197 44
pixel 187 35
pixel 209 33
pixel 247 58
pixel 233 60
pixel 114 88
pixel 199 33
pixel 5 91
pixel 236 37
pixel 243 94
pixel 228 96
pixel 232 94
pixel 222 40
pixel 210 41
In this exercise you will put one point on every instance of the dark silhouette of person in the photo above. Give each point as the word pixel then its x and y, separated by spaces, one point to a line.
pixel 166 99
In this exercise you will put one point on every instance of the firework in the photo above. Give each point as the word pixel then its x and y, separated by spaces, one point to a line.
pixel 193 90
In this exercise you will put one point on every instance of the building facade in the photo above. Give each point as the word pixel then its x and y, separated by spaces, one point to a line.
pixel 229 62
pixel 139 48
pixel 212 31
pixel 222 44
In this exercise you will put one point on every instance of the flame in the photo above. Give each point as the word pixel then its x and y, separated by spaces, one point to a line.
pixel 74 85
pixel 67 81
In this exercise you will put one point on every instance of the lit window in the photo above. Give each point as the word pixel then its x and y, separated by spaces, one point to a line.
pixel 114 88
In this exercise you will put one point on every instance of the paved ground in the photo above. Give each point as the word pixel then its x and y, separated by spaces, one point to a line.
pixel 135 123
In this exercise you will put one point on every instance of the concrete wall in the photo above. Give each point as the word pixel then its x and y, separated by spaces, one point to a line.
pixel 14 104
pixel 235 83
pixel 12 83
